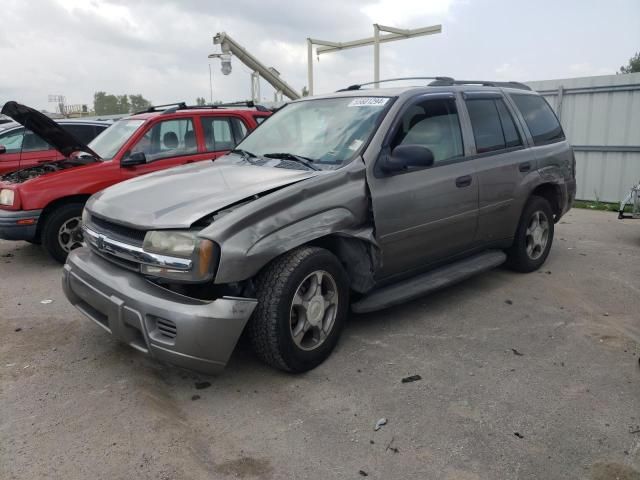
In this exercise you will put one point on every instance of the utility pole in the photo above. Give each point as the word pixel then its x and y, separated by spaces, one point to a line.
pixel 210 85
pixel 393 34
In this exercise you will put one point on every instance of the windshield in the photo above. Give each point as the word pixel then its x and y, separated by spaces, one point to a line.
pixel 107 144
pixel 328 132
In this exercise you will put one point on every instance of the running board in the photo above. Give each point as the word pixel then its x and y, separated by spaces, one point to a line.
pixel 429 282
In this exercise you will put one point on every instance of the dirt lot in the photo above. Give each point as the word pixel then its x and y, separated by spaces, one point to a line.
pixel 523 376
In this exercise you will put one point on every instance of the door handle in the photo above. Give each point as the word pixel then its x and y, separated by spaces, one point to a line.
pixel 524 167
pixel 463 181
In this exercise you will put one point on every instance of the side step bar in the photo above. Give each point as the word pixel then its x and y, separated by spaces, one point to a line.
pixel 429 282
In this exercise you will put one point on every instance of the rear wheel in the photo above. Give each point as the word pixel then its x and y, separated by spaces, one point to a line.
pixel 533 237
pixel 303 300
pixel 61 232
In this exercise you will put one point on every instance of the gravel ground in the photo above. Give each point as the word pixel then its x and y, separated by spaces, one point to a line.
pixel 522 376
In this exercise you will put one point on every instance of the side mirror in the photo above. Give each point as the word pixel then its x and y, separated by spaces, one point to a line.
pixel 136 158
pixel 405 156
pixel 3 149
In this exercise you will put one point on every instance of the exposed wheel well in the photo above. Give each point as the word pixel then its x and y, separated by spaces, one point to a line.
pixel 552 194
pixel 358 257
pixel 55 204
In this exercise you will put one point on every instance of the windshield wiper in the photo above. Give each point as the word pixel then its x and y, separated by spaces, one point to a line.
pixel 306 161
pixel 243 153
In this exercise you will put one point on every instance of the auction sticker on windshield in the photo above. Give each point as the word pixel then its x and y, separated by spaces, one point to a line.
pixel 368 102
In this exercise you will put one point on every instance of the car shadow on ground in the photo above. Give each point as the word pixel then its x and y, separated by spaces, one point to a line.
pixel 28 255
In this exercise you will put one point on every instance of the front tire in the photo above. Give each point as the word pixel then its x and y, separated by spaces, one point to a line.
pixel 533 238
pixel 61 232
pixel 303 299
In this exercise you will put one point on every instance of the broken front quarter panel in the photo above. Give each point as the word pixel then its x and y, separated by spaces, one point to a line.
pixel 330 203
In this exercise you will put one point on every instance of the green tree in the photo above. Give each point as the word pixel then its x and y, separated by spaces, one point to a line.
pixel 105 104
pixel 138 102
pixel 123 104
pixel 633 66
pixel 201 101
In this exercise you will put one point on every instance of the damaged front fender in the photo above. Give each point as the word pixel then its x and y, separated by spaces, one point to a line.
pixel 333 203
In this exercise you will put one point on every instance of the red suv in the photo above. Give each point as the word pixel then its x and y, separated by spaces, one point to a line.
pixel 43 204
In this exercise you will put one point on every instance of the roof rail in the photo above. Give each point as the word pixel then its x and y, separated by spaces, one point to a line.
pixel 359 85
pixel 444 82
pixel 174 107
pixel 484 83
pixel 158 108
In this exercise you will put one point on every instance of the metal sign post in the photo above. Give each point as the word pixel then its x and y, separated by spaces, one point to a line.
pixel 393 34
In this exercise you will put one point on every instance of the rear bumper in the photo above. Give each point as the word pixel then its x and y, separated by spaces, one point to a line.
pixel 177 329
pixel 13 228
pixel 569 196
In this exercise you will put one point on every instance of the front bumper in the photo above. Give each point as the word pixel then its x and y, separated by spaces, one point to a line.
pixel 13 227
pixel 184 331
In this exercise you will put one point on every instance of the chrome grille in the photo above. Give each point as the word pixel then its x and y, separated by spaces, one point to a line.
pixel 116 231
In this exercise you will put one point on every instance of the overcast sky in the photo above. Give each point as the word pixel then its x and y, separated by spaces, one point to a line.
pixel 159 48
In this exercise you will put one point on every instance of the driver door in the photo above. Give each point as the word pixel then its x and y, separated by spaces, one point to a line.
pixel 424 215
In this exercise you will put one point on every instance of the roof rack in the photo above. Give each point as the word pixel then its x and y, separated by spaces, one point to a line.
pixel 359 85
pixel 174 107
pixel 484 83
pixel 443 82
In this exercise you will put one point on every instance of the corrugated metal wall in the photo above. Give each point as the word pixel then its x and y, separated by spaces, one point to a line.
pixel 601 118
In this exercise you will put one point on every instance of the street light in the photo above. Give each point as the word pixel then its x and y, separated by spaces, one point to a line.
pixel 225 62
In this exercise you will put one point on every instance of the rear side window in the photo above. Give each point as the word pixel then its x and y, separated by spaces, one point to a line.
pixel 218 133
pixel 493 126
pixel 33 143
pixel 539 117
pixel 241 129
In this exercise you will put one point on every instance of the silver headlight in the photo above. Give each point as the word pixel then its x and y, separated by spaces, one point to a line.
pixel 180 244
pixel 171 242
pixel 7 197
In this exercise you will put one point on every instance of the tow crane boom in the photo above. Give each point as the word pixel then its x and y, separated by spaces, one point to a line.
pixel 230 47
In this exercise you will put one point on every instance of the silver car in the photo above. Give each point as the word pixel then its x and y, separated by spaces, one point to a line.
pixel 357 200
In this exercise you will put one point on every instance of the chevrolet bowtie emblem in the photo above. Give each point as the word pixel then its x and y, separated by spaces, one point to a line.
pixel 100 242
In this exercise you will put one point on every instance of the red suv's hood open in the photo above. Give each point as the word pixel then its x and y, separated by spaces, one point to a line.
pixel 46 129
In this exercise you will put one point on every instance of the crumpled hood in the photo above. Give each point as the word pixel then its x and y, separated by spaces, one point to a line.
pixel 178 197
pixel 46 129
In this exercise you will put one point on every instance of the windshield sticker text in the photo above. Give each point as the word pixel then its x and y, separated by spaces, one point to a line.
pixel 368 102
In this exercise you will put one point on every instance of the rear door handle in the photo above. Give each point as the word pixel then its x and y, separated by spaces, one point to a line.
pixel 524 167
pixel 463 181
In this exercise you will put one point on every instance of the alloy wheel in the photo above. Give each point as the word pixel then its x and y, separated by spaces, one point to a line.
pixel 537 235
pixel 70 234
pixel 313 310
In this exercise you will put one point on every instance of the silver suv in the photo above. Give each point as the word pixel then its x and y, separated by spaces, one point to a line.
pixel 358 200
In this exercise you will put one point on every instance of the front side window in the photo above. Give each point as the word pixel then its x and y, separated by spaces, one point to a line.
pixel 17 140
pixel 493 126
pixel 169 138
pixel 111 140
pixel 12 140
pixel 539 117
pixel 329 132
pixel 433 124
